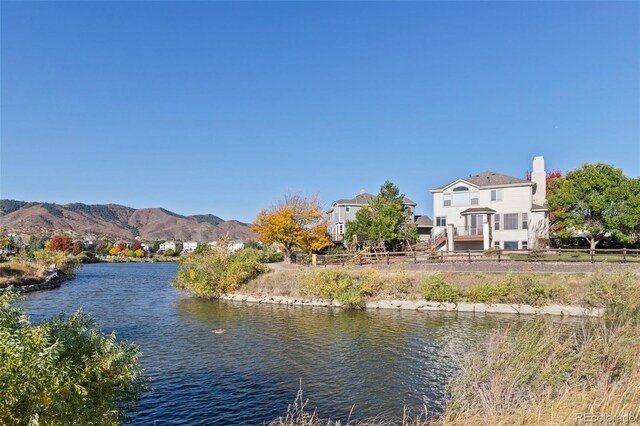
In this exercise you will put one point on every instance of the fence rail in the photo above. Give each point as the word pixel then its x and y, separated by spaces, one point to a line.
pixel 470 256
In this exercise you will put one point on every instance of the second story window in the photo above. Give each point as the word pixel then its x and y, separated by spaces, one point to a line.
pixel 496 222
pixel 525 221
pixel 496 195
pixel 460 196
pixel 441 221
pixel 347 209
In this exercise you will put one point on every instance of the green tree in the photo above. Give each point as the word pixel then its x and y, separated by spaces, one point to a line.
pixel 588 201
pixel 386 219
pixel 627 222
pixel 64 371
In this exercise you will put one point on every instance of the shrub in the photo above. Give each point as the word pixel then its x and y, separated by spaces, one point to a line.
pixel 215 272
pixel 436 289
pixel 67 264
pixel 338 284
pixel 493 251
pixel 610 288
pixel 64 370
pixel 169 252
pixel 498 292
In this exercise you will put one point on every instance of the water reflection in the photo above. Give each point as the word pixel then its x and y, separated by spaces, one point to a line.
pixel 378 361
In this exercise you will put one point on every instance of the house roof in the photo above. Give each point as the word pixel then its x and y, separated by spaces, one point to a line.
pixel 536 207
pixel 489 178
pixel 365 198
pixel 477 210
pixel 423 221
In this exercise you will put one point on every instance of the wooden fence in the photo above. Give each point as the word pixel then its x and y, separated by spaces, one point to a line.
pixel 470 256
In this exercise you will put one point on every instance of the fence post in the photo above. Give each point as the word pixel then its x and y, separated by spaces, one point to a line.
pixel 529 254
pixel 387 258
pixel 559 253
pixel 441 257
pixel 593 252
pixel 469 252
pixel 499 256
pixel 415 257
pixel 624 255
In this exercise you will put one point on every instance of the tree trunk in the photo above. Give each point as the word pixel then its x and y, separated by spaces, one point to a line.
pixel 287 254
pixel 594 242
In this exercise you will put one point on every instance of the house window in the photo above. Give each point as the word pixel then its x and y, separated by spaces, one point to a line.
pixel 461 196
pixel 347 209
pixel 340 228
pixel 441 221
pixel 511 222
pixel 525 221
pixel 496 222
pixel 525 245
pixel 496 195
pixel 496 244
pixel 511 245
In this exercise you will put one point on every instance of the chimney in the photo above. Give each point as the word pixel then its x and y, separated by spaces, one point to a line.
pixel 539 179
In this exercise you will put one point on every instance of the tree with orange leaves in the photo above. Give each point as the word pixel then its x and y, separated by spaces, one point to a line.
pixel 295 222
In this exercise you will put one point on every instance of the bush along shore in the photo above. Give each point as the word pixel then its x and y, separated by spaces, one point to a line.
pixel 243 277
pixel 44 269
pixel 514 293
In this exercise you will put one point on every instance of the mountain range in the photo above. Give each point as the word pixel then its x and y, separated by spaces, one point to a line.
pixel 115 222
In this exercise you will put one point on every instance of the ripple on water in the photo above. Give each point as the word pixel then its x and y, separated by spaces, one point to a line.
pixel 378 361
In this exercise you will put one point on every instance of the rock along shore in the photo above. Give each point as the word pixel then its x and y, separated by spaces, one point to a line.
pixel 424 305
pixel 55 278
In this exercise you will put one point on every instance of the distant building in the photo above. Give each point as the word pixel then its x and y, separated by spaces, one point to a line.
pixel 167 245
pixel 342 211
pixel 189 246
pixel 232 248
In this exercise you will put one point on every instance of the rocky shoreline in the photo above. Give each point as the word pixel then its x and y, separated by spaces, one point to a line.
pixel 55 278
pixel 426 306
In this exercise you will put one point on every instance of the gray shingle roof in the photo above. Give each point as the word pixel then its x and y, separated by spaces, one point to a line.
pixel 478 210
pixel 490 178
pixel 365 199
pixel 423 221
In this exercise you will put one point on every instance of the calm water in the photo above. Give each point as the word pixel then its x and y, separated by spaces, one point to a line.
pixel 378 361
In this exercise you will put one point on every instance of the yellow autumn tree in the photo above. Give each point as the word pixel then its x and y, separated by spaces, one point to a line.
pixel 295 222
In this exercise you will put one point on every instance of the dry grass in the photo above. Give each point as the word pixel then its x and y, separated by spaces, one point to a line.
pixel 21 273
pixel 573 289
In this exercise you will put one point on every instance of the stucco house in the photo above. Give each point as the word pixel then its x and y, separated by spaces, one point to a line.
pixel 342 211
pixel 167 245
pixel 492 210
pixel 189 246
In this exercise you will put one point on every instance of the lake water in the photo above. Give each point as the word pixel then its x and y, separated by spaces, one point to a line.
pixel 377 361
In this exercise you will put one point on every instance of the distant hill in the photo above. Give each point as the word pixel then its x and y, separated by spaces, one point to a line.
pixel 115 221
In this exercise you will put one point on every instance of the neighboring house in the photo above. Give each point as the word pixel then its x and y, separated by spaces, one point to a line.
pixel 232 247
pixel 343 211
pixel 492 210
pixel 189 246
pixel 167 245
pixel 424 225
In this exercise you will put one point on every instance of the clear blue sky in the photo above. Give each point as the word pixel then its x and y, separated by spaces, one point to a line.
pixel 203 107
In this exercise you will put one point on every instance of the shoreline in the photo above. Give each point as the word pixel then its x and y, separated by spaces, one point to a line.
pixel 54 279
pixel 425 306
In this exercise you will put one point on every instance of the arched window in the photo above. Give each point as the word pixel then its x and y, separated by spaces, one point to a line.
pixel 461 196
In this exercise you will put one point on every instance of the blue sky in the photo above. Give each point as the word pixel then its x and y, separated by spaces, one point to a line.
pixel 204 107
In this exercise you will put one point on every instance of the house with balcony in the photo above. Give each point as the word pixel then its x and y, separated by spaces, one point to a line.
pixel 492 210
pixel 343 211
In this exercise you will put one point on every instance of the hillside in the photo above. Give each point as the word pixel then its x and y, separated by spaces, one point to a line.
pixel 115 221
